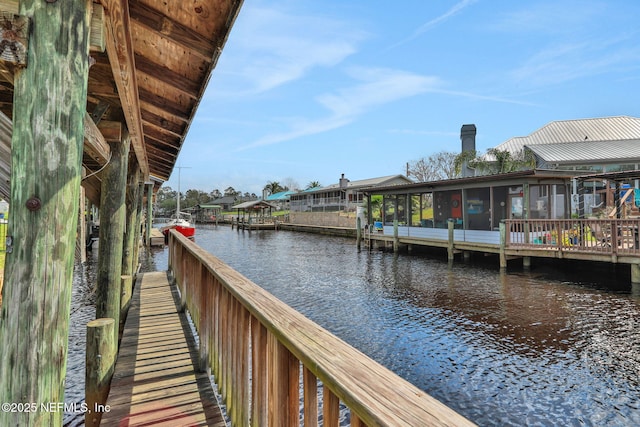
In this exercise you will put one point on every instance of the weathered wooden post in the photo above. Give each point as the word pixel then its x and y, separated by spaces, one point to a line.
pixel 50 97
pixel 396 241
pixel 130 238
pixel 450 249
pixel 112 226
pixel 149 213
pixel 359 232
pixel 138 226
pixel 81 237
pixel 503 245
pixel 99 367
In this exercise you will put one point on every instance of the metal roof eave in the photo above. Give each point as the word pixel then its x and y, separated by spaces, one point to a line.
pixel 476 181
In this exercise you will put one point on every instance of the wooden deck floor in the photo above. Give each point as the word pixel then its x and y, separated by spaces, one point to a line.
pixel 155 382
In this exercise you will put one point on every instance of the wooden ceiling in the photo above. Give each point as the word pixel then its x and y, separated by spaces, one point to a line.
pixel 151 75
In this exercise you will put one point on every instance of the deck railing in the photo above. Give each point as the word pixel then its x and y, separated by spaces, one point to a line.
pixel 269 361
pixel 605 236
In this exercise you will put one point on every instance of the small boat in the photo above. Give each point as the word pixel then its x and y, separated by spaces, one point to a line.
pixel 181 222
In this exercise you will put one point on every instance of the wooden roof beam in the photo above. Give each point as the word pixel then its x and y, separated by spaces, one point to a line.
pixel 167 76
pixel 121 56
pixel 95 144
pixel 96 35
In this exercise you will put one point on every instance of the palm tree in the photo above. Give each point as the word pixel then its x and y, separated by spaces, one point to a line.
pixel 496 161
pixel 313 184
pixel 273 187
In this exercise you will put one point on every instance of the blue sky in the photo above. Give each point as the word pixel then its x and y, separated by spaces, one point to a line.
pixel 307 90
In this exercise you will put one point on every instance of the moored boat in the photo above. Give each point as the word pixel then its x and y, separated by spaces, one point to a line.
pixel 181 221
pixel 181 224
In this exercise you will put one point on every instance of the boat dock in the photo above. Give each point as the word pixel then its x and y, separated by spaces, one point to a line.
pixel 615 241
pixel 155 382
pixel 156 238
pixel 270 363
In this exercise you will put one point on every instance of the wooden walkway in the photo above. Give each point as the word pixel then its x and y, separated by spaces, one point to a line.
pixel 155 383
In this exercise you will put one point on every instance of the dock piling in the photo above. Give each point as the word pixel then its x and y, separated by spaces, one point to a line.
pixel 100 362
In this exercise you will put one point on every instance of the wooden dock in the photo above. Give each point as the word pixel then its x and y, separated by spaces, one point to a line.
pixel 157 238
pixel 155 382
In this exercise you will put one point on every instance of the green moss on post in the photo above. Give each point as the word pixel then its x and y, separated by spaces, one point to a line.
pixel 112 226
pixel 129 257
pixel 50 98
pixel 100 364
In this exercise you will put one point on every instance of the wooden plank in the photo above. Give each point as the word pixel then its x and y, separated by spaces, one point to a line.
pixel 173 29
pixel 95 144
pixel 157 238
pixel 155 381
pixel 120 51
pixel 330 408
pixel 310 387
pixel 110 130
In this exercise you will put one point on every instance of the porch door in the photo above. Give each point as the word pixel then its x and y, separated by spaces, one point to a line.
pixel 456 206
pixel 516 204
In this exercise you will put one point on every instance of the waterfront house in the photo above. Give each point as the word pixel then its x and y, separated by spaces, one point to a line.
pixel 336 205
pixel 473 203
pixel 227 202
pixel 596 145
pixel 280 200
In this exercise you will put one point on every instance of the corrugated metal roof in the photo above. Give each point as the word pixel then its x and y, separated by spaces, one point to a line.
pixel 470 182
pixel 370 182
pixel 282 195
pixel 586 152
pixel 254 204
pixel 603 129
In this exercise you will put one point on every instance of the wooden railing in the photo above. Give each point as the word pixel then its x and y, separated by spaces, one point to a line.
pixel 604 236
pixel 269 360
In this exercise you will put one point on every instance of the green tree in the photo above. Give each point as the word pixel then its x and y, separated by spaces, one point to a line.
pixel 166 200
pixel 274 187
pixel 376 207
pixel 193 198
pixel 495 161
pixel 313 184
pixel 230 191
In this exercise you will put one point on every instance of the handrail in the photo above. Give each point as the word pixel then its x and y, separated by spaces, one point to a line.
pixel 259 348
pixel 603 236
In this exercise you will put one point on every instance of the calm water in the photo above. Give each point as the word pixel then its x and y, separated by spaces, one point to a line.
pixel 548 347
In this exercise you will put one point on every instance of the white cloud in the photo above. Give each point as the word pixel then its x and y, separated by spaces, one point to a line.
pixel 377 87
pixel 457 8
pixel 272 47
pixel 563 62
pixel 551 17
